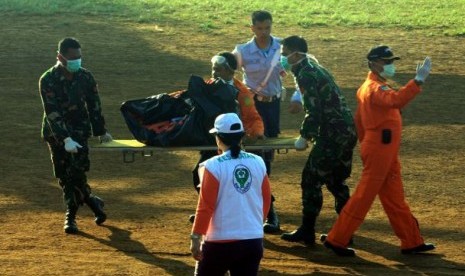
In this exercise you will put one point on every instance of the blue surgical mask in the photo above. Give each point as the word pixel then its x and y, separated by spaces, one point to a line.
pixel 73 65
pixel 285 60
pixel 285 63
pixel 389 70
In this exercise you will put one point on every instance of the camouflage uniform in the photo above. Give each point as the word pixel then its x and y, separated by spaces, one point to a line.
pixel 329 124
pixel 71 109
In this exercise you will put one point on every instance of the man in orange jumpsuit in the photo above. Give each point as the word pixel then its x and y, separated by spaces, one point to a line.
pixel 379 126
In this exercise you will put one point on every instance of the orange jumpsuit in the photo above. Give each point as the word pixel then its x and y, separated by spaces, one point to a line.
pixel 379 125
pixel 252 121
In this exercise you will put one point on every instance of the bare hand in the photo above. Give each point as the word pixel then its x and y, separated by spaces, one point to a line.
pixel 250 139
pixel 295 107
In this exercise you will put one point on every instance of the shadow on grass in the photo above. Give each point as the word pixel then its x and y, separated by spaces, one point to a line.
pixel 128 62
pixel 440 102
pixel 431 263
pixel 318 254
pixel 120 239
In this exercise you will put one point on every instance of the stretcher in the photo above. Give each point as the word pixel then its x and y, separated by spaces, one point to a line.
pixel 129 148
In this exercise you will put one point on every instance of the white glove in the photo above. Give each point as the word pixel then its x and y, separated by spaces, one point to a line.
pixel 71 145
pixel 301 143
pixel 423 70
pixel 283 94
pixel 105 138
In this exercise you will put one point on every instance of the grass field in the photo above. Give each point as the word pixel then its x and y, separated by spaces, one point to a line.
pixel 139 48
pixel 437 17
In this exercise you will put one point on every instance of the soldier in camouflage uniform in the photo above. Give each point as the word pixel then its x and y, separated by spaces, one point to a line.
pixel 329 125
pixel 72 112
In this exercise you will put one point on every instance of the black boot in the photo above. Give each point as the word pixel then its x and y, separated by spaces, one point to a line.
pixel 272 221
pixel 305 233
pixel 340 251
pixel 70 226
pixel 300 235
pixel 192 218
pixel 419 249
pixel 96 204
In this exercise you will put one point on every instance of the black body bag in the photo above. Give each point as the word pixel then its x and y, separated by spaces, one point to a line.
pixel 167 121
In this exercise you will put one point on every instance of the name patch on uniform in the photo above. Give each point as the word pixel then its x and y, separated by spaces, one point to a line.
pixel 228 157
pixel 242 179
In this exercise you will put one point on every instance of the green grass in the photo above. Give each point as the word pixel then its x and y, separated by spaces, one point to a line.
pixel 434 16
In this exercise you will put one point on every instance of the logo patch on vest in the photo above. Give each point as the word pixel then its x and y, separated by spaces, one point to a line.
pixel 242 179
pixel 384 87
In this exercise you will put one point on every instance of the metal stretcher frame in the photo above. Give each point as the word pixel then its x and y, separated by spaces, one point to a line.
pixel 130 148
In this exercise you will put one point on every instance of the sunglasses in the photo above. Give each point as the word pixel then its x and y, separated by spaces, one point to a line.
pixel 220 60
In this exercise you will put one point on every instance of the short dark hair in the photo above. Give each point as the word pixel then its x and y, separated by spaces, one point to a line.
pixel 260 16
pixel 230 58
pixel 295 43
pixel 68 43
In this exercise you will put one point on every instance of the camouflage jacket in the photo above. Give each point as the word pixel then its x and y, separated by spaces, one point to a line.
pixel 72 108
pixel 327 113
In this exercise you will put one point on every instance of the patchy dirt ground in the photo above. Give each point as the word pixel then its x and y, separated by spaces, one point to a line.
pixel 149 201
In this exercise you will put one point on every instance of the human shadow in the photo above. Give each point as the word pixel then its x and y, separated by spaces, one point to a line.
pixel 431 263
pixel 439 103
pixel 136 74
pixel 320 255
pixel 121 240
pixel 428 263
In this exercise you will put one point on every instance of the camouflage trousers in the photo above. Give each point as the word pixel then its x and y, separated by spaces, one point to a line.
pixel 328 164
pixel 70 169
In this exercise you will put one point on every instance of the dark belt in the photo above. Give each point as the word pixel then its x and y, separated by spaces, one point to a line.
pixel 265 99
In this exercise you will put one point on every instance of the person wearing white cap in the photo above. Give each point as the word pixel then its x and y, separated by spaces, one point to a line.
pixel 235 197
pixel 224 66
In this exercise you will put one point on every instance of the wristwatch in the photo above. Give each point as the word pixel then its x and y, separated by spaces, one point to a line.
pixel 196 236
pixel 418 82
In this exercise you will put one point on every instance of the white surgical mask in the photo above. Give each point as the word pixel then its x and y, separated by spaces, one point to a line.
pixel 389 70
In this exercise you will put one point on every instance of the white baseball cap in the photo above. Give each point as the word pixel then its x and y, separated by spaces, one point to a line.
pixel 227 123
